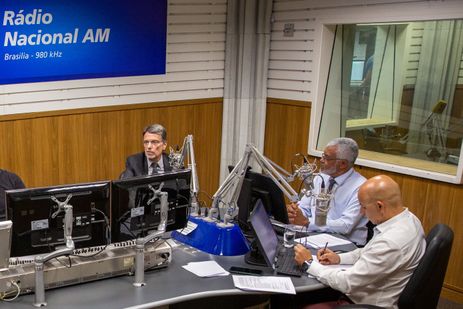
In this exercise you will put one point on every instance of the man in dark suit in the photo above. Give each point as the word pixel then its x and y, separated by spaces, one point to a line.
pixel 8 181
pixel 153 159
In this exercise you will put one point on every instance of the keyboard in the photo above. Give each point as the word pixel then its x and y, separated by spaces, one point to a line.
pixel 286 265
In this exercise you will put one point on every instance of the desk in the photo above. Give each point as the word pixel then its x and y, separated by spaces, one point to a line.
pixel 165 286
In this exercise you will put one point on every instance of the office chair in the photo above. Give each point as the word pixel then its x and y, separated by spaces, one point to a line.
pixel 423 289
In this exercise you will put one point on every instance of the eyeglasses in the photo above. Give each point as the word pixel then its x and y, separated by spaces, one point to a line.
pixel 153 142
pixel 326 158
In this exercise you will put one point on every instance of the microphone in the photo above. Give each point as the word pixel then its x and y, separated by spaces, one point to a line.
pixel 322 205
pixel 306 173
pixel 175 158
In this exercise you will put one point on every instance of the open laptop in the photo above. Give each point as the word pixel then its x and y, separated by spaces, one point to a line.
pixel 274 253
pixel 5 243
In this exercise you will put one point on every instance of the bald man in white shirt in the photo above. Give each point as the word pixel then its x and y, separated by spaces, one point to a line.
pixel 383 267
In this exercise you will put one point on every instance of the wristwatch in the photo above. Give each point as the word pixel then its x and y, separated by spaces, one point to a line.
pixel 306 265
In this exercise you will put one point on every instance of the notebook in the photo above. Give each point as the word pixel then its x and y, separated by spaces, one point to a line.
pixel 273 251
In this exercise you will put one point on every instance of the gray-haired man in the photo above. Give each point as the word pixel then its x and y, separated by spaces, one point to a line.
pixel 342 181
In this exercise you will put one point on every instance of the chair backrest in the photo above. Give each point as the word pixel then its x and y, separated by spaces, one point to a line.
pixel 423 289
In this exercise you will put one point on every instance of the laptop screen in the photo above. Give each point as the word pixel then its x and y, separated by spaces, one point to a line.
pixel 266 237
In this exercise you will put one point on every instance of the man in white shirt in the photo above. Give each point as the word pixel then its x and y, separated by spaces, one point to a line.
pixel 338 178
pixel 383 267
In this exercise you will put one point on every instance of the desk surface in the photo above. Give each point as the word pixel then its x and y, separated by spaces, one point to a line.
pixel 170 285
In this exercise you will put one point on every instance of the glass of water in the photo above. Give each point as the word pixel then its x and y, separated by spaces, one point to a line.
pixel 289 236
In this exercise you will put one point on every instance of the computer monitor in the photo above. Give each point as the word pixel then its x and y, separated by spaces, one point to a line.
pixel 38 225
pixel 257 186
pixel 272 197
pixel 136 210
pixel 244 204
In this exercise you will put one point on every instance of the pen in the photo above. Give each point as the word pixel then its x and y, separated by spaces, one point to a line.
pixel 324 249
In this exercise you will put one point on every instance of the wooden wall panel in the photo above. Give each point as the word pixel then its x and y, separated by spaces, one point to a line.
pixel 85 145
pixel 431 201
pixel 284 125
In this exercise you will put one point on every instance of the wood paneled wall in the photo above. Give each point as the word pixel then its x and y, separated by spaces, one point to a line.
pixel 433 202
pixel 91 144
pixel 85 145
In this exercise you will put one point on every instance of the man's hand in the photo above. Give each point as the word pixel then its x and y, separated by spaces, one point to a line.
pixel 295 215
pixel 327 257
pixel 301 254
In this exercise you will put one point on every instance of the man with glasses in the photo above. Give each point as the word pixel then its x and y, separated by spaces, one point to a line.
pixel 153 159
pixel 338 179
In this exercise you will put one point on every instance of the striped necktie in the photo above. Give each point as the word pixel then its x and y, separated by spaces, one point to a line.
pixel 154 168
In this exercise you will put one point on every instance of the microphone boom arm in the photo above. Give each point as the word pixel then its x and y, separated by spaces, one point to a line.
pixel 234 181
pixel 177 158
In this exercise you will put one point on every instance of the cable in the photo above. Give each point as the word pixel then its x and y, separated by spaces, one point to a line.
pixel 124 224
pixel 107 227
pixel 322 184
pixel 205 193
pixel 302 183
pixel 67 266
pixel 6 294
pixel 165 258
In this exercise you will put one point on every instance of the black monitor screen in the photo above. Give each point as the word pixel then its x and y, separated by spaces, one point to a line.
pixel 272 197
pixel 136 207
pixel 38 223
pixel 257 186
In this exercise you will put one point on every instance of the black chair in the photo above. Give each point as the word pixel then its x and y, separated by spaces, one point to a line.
pixel 423 289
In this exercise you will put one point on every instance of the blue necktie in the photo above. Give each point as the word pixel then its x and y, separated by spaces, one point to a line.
pixel 331 184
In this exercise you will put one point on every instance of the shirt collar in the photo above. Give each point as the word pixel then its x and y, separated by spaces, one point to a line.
pixel 160 163
pixel 392 221
pixel 341 178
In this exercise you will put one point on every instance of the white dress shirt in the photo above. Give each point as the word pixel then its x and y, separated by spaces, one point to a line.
pixel 383 267
pixel 344 214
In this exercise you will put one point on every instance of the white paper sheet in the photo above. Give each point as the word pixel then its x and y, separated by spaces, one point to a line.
pixel 319 241
pixel 206 269
pixel 264 283
pixel 190 227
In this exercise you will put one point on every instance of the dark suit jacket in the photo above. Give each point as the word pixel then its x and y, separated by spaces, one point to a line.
pixel 136 165
pixel 8 181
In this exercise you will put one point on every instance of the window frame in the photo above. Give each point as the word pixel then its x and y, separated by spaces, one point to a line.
pixel 381 13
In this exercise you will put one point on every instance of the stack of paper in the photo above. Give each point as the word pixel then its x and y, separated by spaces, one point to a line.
pixel 264 283
pixel 206 269
pixel 320 240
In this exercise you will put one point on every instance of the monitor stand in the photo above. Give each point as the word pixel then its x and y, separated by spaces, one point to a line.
pixel 254 257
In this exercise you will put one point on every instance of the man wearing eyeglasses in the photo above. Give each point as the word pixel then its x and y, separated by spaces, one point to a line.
pixel 339 179
pixel 153 159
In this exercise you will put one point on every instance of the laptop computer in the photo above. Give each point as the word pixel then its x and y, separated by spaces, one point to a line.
pixel 272 250
pixel 5 243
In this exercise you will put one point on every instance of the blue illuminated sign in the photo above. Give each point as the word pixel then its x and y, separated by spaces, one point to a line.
pixel 50 40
